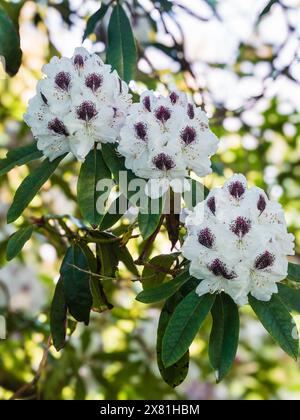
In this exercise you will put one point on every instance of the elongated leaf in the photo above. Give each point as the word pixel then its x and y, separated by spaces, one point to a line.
pixel 94 20
pixel 290 297
pixel 117 167
pixel 294 272
pixel 126 258
pixel 30 187
pixel 148 223
pixel 224 336
pixel 17 242
pixel 150 215
pixel 156 294
pixel 153 273
pixel 175 374
pixel 109 259
pixel 58 316
pixel 279 323
pixel 111 254
pixel 184 324
pixel 92 171
pixel 13 9
pixel 77 284
pixel 9 44
pixel 114 213
pixel 100 302
pixel 19 157
pixel 121 51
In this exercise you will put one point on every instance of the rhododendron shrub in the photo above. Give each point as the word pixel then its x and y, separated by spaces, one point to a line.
pixel 231 244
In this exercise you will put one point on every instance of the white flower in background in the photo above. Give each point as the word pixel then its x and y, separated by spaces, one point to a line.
pixel 164 138
pixel 79 102
pixel 238 242
pixel 21 290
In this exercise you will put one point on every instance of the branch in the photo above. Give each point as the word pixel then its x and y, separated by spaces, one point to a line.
pixel 27 387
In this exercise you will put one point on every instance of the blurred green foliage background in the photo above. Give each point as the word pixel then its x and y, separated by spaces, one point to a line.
pixel 241 63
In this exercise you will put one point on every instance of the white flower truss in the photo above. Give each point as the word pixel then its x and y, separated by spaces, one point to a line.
pixel 164 138
pixel 238 242
pixel 80 102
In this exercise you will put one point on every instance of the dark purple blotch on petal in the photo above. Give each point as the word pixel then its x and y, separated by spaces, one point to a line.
pixel 236 189
pixel 261 204
pixel 163 162
pixel 58 127
pixel 264 260
pixel 241 226
pixel 86 111
pixel 147 103
pixel 93 81
pixel 174 97
pixel 78 60
pixel 188 135
pixel 218 268
pixel 211 204
pixel 206 238
pixel 191 111
pixel 63 80
pixel 163 114
pixel 141 130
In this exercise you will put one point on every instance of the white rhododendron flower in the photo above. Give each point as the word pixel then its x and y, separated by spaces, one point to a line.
pixel 238 242
pixel 79 102
pixel 164 138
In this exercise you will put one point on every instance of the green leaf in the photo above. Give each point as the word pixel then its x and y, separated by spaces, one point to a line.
pixel 30 187
pixel 150 215
pixel 100 302
pixel 92 171
pixel 80 389
pixel 121 51
pixel 224 336
pixel 74 271
pixel 279 323
pixel 294 272
pixel 9 44
pixel 148 223
pixel 19 157
pixel 94 20
pixel 156 294
pixel 112 217
pixel 125 257
pixel 117 167
pixel 17 242
pixel 153 274
pixel 109 259
pixel 13 10
pixel 199 192
pixel 184 324
pixel 290 297
pixel 58 316
pixel 175 374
